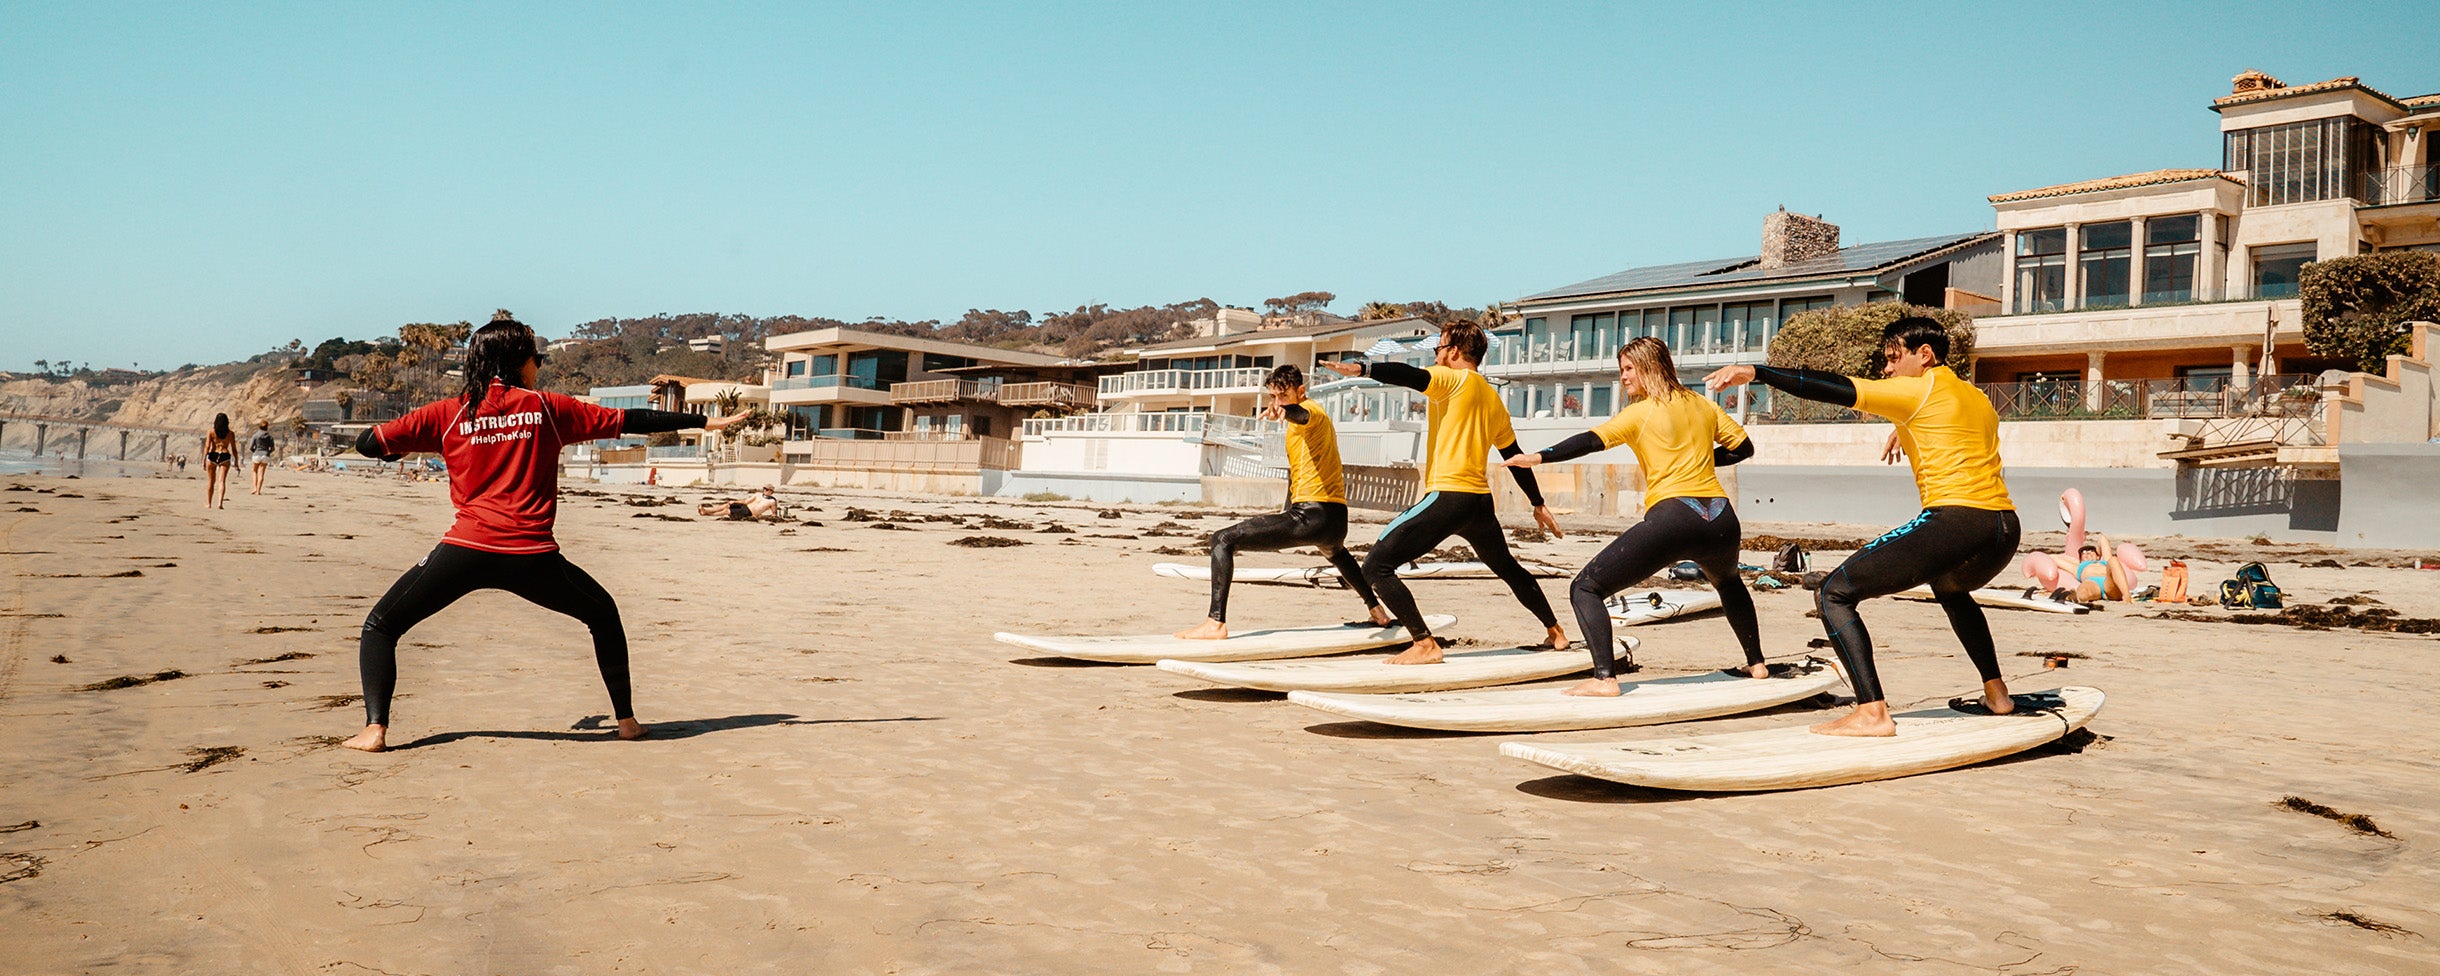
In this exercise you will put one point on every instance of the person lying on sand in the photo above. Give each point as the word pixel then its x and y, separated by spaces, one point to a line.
pixel 760 505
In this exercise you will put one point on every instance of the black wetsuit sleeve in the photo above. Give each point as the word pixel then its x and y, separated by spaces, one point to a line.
pixel 1722 457
pixel 369 445
pixel 1296 414
pixel 1811 384
pixel 1574 447
pixel 642 421
pixel 1400 374
pixel 1525 480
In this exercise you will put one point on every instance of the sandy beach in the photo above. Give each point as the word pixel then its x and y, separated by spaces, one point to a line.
pixel 849 775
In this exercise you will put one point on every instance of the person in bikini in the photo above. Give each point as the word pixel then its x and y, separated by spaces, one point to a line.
pixel 500 438
pixel 219 458
pixel 1678 439
pixel 1966 533
pixel 1466 422
pixel 1317 507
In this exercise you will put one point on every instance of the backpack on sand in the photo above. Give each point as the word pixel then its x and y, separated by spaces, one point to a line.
pixel 1791 559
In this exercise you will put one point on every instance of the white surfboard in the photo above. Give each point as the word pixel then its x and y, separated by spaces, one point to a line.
pixel 1368 675
pixel 1654 606
pixel 1928 740
pixel 1248 645
pixel 1318 575
pixel 2006 599
pixel 1541 708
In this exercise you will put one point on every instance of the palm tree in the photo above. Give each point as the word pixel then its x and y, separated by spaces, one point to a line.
pixel 1378 311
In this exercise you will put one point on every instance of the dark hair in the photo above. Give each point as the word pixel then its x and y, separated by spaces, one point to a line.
pixel 496 351
pixel 1284 376
pixel 1468 338
pixel 220 426
pixel 1915 332
pixel 2088 547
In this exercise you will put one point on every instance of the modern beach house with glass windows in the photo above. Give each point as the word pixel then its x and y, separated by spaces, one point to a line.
pixel 1560 360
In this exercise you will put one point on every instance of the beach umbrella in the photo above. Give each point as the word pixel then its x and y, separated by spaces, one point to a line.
pixel 1386 347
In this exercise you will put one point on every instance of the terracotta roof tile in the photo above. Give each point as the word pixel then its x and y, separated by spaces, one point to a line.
pixel 2115 183
pixel 2334 84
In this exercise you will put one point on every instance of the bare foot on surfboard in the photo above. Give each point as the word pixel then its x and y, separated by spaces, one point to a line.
pixel 1869 720
pixel 1425 651
pixel 1594 688
pixel 1209 629
pixel 1556 640
pixel 1757 670
pixel 1995 698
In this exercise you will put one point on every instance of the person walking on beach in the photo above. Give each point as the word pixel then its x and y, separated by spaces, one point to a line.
pixel 1317 506
pixel 1466 422
pixel 1678 439
pixel 1966 533
pixel 219 456
pixel 500 438
pixel 258 453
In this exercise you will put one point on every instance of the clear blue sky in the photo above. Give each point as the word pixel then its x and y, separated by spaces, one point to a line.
pixel 200 182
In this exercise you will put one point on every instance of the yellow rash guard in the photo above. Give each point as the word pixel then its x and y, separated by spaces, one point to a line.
pixel 1467 422
pixel 1313 459
pixel 1672 438
pixel 1950 433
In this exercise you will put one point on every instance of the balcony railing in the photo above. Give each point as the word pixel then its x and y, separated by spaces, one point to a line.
pixel 936 434
pixel 2291 395
pixel 1189 381
pixel 674 452
pixel 1046 395
pixel 2402 184
pixel 943 391
pixel 1118 423
pixel 825 382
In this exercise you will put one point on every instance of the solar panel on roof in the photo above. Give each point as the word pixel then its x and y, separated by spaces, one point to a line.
pixel 1860 258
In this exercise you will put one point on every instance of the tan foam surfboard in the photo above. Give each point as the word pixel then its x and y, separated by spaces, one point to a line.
pixel 1368 675
pixel 1654 606
pixel 1541 708
pixel 1318 575
pixel 1928 740
pixel 1248 645
pixel 2007 599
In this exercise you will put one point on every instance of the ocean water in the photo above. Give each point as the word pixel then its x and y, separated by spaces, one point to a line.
pixel 24 462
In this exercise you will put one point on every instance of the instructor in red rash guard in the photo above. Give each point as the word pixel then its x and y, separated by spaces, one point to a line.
pixel 501 440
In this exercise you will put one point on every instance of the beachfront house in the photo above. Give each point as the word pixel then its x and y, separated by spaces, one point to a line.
pixel 2171 294
pixel 1560 360
pixel 1179 424
pixel 871 409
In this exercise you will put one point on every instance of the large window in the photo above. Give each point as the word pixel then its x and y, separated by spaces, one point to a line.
pixel 876 369
pixel 1745 327
pixel 2320 159
pixel 2105 262
pixel 1597 400
pixel 1681 331
pixel 1585 335
pixel 934 362
pixel 1789 308
pixel 2276 267
pixel 2041 270
pixel 1537 341
pixel 1707 329
pixel 2170 249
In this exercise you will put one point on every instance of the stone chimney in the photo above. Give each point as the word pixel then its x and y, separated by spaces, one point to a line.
pixel 1789 238
pixel 2253 81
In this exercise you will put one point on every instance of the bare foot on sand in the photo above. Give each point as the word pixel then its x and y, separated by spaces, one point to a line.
pixel 374 738
pixel 1870 719
pixel 631 730
pixel 1207 630
pixel 1594 688
pixel 1425 651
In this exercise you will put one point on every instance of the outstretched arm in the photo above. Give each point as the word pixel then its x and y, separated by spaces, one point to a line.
pixel 641 421
pixel 1811 384
pixel 1722 457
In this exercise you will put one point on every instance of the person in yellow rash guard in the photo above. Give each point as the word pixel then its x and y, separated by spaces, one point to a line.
pixel 1678 438
pixel 1965 535
pixel 1466 422
pixel 1316 514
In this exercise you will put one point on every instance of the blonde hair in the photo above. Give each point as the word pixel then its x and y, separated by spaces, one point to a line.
pixel 1653 367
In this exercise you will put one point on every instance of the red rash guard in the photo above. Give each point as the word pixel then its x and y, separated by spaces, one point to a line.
pixel 503 460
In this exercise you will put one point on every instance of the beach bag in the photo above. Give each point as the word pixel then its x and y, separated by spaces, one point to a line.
pixel 1791 559
pixel 2173 582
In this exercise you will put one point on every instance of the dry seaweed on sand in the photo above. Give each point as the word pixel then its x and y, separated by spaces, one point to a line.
pixel 290 656
pixel 2352 821
pixel 987 542
pixel 2347 917
pixel 2378 620
pixel 207 757
pixel 134 680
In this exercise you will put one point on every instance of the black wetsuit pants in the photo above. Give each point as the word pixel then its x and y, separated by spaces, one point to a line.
pixel 1702 529
pixel 1954 549
pixel 546 579
pixel 1415 532
pixel 1322 525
